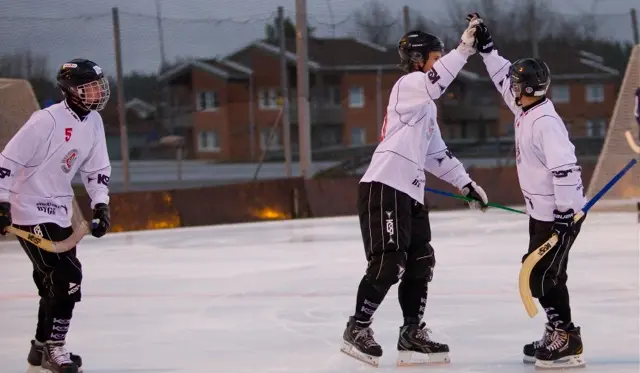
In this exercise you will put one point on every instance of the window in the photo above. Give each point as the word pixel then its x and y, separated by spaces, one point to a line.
pixel 356 97
pixel 596 128
pixel 268 98
pixel 274 144
pixel 208 141
pixel 560 94
pixel 207 101
pixel 595 93
pixel 334 96
pixel 358 136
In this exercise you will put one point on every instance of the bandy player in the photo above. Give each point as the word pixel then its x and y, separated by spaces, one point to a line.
pixel 393 218
pixel 36 170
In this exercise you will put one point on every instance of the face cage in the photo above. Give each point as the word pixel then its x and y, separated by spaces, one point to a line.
pixel 94 95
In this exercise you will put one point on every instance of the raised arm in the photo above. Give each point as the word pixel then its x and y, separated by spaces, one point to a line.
pixel 420 86
pixel 497 66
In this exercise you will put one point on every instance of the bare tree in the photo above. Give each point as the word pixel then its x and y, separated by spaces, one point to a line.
pixel 376 23
pixel 24 65
pixel 523 20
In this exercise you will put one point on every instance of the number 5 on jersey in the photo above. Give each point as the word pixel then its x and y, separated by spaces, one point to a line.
pixel 67 133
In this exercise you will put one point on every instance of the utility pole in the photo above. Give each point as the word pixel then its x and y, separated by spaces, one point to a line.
pixel 533 32
pixel 634 26
pixel 406 21
pixel 163 57
pixel 124 143
pixel 303 89
pixel 284 92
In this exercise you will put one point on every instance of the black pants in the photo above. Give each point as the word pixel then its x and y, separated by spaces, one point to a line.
pixel 548 281
pixel 396 234
pixel 58 278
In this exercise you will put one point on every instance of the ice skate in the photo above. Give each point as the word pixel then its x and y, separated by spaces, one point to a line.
pixel 56 359
pixel 416 348
pixel 34 359
pixel 563 351
pixel 530 349
pixel 358 342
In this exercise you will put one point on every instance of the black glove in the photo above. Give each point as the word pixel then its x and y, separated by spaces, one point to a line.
pixel 101 220
pixel 563 224
pixel 5 217
pixel 478 195
pixel 484 41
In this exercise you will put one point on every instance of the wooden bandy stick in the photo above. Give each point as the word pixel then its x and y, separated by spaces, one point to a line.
pixel 51 246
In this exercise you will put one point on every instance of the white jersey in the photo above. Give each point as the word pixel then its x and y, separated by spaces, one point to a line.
pixel 411 142
pixel 545 157
pixel 39 163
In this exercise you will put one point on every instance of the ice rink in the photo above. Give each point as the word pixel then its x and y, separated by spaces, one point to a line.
pixel 275 296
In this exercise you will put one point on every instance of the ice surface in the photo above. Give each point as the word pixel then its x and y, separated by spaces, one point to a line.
pixel 274 297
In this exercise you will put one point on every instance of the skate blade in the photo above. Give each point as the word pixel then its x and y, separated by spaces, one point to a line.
pixel 529 359
pixel 350 350
pixel 34 369
pixel 575 361
pixel 410 358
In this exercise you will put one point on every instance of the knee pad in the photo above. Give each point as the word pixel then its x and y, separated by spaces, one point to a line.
pixel 541 284
pixel 386 269
pixel 66 280
pixel 420 266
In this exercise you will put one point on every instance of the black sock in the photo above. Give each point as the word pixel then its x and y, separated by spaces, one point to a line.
pixel 556 305
pixel 60 320
pixel 42 327
pixel 412 295
pixel 368 300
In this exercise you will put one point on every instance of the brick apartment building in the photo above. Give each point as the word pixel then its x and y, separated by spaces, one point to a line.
pixel 228 106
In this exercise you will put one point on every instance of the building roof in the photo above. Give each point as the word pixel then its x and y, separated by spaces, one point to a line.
pixel 564 61
pixel 345 54
pixel 225 69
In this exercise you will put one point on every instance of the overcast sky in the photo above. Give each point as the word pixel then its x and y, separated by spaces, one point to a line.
pixel 206 28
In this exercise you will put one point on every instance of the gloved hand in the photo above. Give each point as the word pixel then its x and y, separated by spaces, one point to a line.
pixel 484 41
pixel 563 224
pixel 468 39
pixel 101 220
pixel 474 191
pixel 5 217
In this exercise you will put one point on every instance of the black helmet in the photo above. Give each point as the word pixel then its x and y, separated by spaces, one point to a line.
pixel 414 47
pixel 84 83
pixel 529 77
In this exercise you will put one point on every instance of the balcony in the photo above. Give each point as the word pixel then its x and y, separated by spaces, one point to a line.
pixel 179 117
pixel 454 111
pixel 320 113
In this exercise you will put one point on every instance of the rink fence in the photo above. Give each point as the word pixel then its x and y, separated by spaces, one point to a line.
pixel 279 199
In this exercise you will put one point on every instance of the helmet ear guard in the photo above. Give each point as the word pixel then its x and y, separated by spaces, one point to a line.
pixel 414 48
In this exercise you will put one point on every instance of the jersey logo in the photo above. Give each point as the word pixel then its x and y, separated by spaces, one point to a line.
pixel 4 172
pixel 103 179
pixel 69 160
pixel 433 76
pixel 67 134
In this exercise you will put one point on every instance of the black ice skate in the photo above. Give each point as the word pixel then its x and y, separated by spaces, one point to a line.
pixel 530 349
pixel 359 342
pixel 564 350
pixel 415 347
pixel 56 359
pixel 35 358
